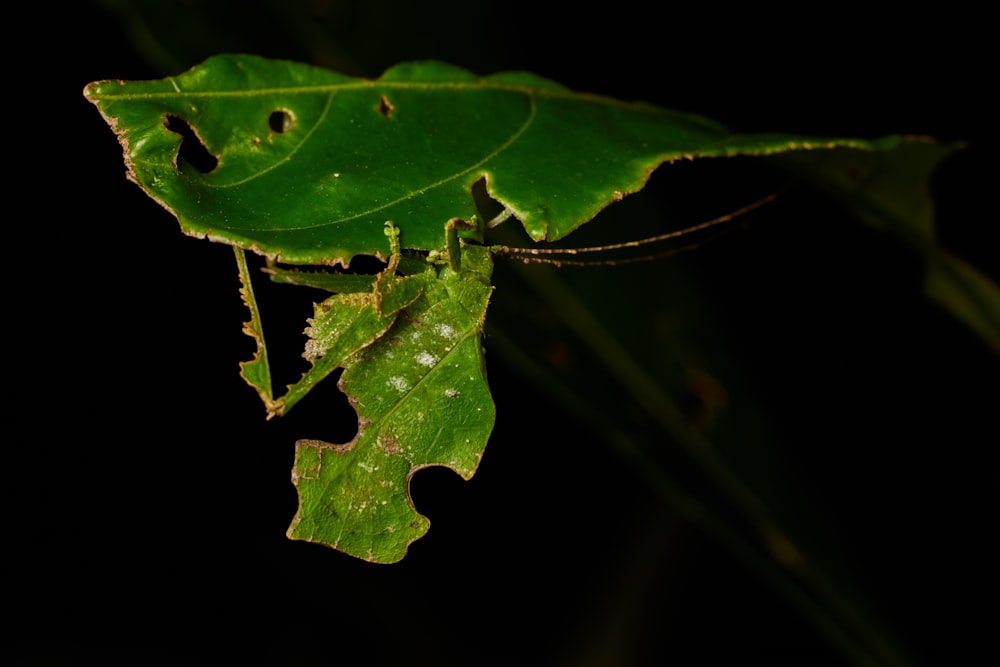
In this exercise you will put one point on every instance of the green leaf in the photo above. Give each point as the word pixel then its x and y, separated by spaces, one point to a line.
pixel 422 400
pixel 306 166
pixel 312 163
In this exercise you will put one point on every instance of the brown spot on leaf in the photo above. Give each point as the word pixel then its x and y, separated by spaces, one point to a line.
pixel 385 106
pixel 389 444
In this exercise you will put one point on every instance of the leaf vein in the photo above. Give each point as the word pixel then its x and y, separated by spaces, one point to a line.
pixel 319 122
pixel 532 112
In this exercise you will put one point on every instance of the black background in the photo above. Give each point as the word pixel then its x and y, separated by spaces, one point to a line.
pixel 149 498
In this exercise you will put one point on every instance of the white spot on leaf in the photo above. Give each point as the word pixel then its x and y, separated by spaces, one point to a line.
pixel 444 330
pixel 426 359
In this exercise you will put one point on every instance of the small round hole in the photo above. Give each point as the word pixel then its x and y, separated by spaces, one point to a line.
pixel 280 121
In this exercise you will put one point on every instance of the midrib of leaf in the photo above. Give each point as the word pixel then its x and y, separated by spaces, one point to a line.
pixel 407 396
pixel 377 84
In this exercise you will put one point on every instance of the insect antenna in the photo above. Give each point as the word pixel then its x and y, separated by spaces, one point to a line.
pixel 563 256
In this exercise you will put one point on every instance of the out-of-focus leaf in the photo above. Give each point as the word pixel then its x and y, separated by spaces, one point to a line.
pixel 889 190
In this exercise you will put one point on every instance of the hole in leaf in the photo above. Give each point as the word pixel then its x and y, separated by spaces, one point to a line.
pixel 366 264
pixel 486 206
pixel 280 121
pixel 385 106
pixel 192 151
pixel 326 413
